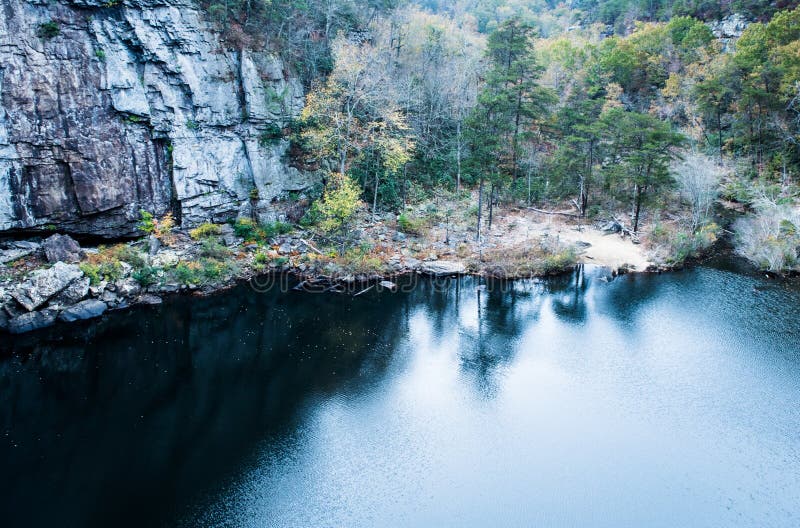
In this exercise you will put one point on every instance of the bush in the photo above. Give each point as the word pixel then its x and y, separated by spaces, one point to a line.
pixel 408 224
pixel 769 239
pixel 270 136
pixel 187 273
pixel 48 30
pixel 106 264
pixel 339 203
pixel 680 245
pixel 205 230
pixel 213 249
pixel 97 272
pixel 146 276
pixel 272 229
pixel 245 228
pixel 162 229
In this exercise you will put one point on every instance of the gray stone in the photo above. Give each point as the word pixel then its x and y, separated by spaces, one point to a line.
pixel 32 321
pixel 10 255
pixel 61 248
pixel 87 309
pixel 109 297
pixel 153 245
pixel 128 288
pixel 44 284
pixel 170 287
pixel 97 289
pixel 149 299
pixel 399 237
pixel 388 285
pixel 441 268
pixel 72 293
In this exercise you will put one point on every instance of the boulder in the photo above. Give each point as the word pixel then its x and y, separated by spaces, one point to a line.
pixel 72 294
pixel 128 287
pixel 149 299
pixel 442 268
pixel 31 321
pixel 388 285
pixel 44 284
pixel 87 309
pixel 61 248
pixel 612 227
pixel 153 245
pixel 12 254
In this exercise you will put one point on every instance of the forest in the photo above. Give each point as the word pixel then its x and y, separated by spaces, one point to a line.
pixel 612 109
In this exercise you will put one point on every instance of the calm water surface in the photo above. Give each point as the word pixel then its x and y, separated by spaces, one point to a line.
pixel 668 400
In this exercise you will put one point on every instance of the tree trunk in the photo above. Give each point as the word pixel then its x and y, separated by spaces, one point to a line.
pixel 514 137
pixel 458 156
pixel 480 207
pixel 491 205
pixel 375 195
pixel 719 133
pixel 637 207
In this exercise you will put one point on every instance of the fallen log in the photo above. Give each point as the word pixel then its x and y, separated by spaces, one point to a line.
pixel 365 290
pixel 311 246
pixel 562 213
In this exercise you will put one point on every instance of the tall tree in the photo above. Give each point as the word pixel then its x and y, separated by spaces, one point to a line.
pixel 642 147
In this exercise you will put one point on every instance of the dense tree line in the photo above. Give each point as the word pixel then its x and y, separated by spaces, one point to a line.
pixel 536 101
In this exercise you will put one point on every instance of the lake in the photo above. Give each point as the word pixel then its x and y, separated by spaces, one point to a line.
pixel 648 400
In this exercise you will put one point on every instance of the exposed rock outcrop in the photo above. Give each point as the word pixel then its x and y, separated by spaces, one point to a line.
pixel 728 30
pixel 107 108
pixel 61 248
pixel 44 284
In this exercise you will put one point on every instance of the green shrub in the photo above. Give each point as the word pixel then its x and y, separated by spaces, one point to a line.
pixel 213 249
pixel 48 30
pixel 146 276
pixel 187 273
pixel 271 135
pixel 340 202
pixel 409 224
pixel 205 230
pixel 147 223
pixel 272 229
pixel 191 124
pixel 245 228
pixel 97 272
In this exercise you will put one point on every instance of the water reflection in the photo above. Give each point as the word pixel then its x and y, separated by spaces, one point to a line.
pixel 410 409
pixel 182 389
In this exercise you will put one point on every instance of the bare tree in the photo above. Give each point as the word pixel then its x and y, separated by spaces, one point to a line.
pixel 698 177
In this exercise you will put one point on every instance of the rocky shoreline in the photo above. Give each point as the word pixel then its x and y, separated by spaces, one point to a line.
pixel 48 280
pixel 55 280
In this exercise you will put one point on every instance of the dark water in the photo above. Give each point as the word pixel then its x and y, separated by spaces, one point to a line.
pixel 668 400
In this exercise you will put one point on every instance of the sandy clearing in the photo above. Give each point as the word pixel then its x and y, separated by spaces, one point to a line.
pixel 610 250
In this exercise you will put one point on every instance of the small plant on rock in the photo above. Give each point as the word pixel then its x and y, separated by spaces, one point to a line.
pixel 205 230
pixel 161 229
pixel 48 30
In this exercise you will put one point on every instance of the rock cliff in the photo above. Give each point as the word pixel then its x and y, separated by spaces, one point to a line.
pixel 109 107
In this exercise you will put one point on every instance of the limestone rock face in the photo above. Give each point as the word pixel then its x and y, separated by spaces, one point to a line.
pixel 136 105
